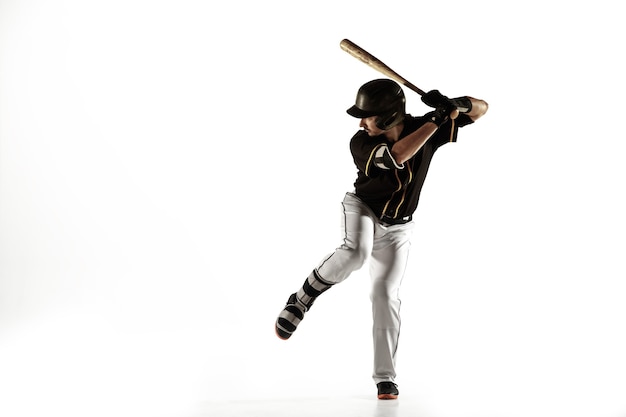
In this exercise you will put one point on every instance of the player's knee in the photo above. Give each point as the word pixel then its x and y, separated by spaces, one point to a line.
pixel 359 257
pixel 383 292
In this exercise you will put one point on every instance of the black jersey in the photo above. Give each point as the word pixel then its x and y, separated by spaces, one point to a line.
pixel 392 191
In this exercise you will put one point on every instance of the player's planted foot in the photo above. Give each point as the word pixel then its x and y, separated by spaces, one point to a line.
pixel 290 317
pixel 387 391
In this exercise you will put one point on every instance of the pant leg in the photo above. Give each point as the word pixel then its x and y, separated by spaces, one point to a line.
pixel 387 266
pixel 358 239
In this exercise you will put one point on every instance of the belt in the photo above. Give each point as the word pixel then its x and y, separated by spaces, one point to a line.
pixel 390 220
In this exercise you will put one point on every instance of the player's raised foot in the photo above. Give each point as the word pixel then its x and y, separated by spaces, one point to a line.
pixel 387 391
pixel 290 317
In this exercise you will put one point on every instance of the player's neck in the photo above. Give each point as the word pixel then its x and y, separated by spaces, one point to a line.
pixel 394 133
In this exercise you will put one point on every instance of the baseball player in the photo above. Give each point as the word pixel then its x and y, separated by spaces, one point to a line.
pixel 392 152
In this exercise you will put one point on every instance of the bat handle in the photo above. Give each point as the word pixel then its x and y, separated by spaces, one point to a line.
pixel 414 88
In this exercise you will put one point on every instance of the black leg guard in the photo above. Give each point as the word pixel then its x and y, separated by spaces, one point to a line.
pixel 298 304
pixel 312 288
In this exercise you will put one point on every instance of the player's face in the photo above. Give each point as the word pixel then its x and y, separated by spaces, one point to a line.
pixel 369 125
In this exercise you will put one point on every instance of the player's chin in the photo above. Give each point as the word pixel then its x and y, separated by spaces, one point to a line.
pixel 373 132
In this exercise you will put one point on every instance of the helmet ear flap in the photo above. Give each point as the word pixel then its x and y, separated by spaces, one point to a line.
pixel 385 121
pixel 389 119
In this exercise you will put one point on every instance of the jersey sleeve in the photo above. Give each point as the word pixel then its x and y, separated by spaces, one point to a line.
pixel 371 154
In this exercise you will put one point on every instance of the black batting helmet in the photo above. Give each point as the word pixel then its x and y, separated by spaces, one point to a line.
pixel 383 98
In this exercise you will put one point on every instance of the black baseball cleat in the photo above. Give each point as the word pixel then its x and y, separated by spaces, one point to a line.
pixel 290 317
pixel 387 391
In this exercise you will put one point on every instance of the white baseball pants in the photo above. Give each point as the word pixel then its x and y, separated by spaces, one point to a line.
pixel 386 247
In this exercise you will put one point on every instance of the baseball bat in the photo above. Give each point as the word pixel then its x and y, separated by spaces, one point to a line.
pixel 369 59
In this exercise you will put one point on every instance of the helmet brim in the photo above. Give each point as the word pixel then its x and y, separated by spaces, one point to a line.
pixel 354 111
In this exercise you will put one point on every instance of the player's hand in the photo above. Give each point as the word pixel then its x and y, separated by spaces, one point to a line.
pixel 435 99
pixel 444 113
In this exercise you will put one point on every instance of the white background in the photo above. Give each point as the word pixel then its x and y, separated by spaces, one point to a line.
pixel 170 171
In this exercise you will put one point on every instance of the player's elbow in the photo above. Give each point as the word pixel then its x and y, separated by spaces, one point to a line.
pixel 479 108
pixel 384 159
pixel 400 159
pixel 400 154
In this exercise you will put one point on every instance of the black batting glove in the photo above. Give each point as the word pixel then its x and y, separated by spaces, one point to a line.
pixel 435 99
pixel 441 114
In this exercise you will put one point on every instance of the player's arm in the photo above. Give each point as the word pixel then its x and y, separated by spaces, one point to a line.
pixel 408 146
pixel 474 108
pixel 445 109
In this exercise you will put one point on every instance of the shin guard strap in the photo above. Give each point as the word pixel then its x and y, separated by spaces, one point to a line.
pixel 312 288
